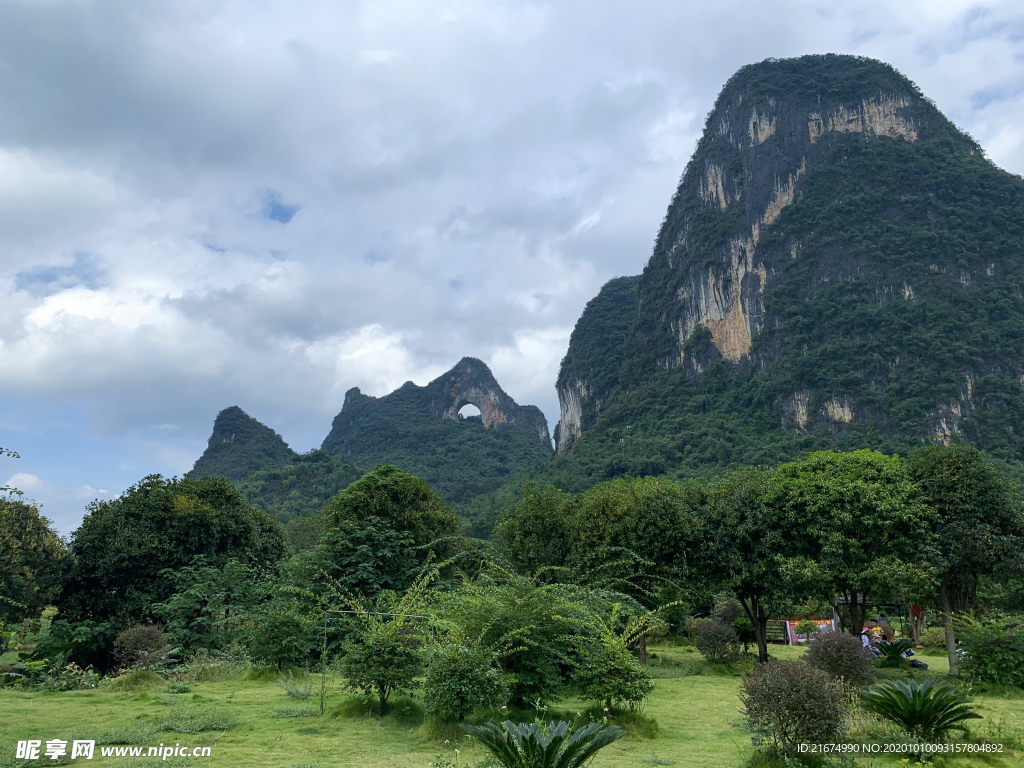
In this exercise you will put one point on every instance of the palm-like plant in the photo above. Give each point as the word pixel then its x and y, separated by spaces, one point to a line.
pixel 891 652
pixel 544 745
pixel 926 710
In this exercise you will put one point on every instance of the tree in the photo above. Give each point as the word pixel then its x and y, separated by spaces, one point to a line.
pixel 634 535
pixel 381 663
pixel 31 558
pixel 533 531
pixel 977 529
pixel 745 547
pixel 399 500
pixel 123 545
pixel 852 515
pixel 208 603
pixel 461 677
pixel 530 627
pixel 363 558
pixel 387 654
pixel 11 455
pixel 606 669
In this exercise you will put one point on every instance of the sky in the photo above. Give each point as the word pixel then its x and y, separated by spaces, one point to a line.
pixel 206 203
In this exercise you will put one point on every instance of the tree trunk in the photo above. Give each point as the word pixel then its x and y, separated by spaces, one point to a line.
pixel 856 611
pixel 947 623
pixel 916 615
pixel 757 617
pixel 643 649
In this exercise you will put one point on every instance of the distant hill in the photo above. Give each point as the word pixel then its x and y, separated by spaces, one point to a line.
pixel 240 446
pixel 300 487
pixel 418 429
pixel 840 267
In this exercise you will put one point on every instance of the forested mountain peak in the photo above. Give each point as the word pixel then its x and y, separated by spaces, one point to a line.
pixel 240 446
pixel 840 266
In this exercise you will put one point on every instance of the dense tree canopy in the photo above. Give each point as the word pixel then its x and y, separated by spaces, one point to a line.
pixel 852 515
pixel 399 500
pixel 31 558
pixel 123 544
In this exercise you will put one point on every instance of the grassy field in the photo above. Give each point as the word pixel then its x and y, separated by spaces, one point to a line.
pixel 250 722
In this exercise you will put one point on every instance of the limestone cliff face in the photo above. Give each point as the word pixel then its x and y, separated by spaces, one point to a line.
pixel 839 265
pixel 471 382
pixel 762 141
pixel 590 369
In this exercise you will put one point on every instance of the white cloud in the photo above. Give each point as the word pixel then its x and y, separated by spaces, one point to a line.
pixel 208 204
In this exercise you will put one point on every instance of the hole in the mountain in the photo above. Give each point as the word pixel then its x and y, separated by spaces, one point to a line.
pixel 468 410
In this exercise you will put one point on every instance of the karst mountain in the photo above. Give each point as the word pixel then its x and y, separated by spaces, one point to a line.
pixel 840 267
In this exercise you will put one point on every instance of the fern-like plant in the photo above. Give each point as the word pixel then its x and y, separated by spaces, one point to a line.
pixel 925 709
pixel 544 745
pixel 891 652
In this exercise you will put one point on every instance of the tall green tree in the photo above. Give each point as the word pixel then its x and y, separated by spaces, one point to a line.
pixel 533 532
pixel 31 558
pixel 852 516
pixel 123 545
pixel 747 547
pixel 398 500
pixel 977 527
pixel 635 534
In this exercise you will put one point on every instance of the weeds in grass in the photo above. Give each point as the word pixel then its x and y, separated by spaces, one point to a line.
pixel 298 685
pixel 212 666
pixel 195 720
pixel 136 680
pixel 667 670
pixel 655 760
pixel 179 688
pixel 294 712
pixel 635 723
pixel 262 674
pixel 1005 730
pixel 129 734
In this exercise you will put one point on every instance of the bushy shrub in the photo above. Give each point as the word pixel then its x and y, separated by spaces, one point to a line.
pixel 298 684
pixel 85 643
pixel 934 637
pixel 140 647
pixel 789 703
pixel 461 678
pixel 717 642
pixel 609 673
pixel 993 650
pixel 381 664
pixel 69 677
pixel 841 655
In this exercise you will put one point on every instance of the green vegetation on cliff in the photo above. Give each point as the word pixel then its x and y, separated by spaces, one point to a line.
pixel 240 446
pixel 881 289
pixel 300 487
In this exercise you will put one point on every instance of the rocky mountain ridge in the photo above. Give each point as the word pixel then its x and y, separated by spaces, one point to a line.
pixel 846 253
pixel 418 429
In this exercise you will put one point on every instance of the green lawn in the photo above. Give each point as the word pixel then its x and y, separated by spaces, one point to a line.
pixel 698 718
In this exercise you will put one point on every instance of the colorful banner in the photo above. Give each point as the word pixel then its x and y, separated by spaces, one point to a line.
pixel 824 625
